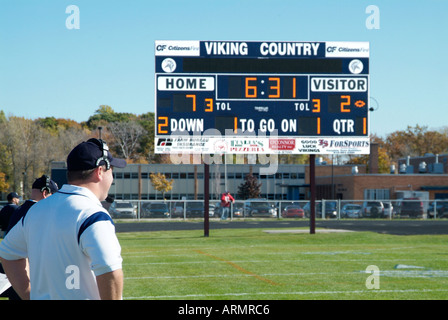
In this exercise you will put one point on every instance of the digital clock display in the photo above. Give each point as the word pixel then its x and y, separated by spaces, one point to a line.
pixel 211 95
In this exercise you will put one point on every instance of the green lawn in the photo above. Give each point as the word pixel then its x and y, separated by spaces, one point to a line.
pixel 252 264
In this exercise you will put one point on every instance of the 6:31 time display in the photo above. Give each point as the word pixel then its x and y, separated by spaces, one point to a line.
pixel 262 87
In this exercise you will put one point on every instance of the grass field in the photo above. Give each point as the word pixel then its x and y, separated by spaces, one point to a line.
pixel 253 264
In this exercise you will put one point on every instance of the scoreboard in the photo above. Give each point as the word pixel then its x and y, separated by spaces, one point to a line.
pixel 266 97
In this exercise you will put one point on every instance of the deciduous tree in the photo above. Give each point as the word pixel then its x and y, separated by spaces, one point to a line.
pixel 415 141
pixel 161 183
pixel 126 137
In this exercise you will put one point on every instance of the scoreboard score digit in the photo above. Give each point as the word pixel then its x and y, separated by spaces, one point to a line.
pixel 269 97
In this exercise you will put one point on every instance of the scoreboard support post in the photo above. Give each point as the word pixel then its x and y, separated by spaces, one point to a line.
pixel 313 193
pixel 206 199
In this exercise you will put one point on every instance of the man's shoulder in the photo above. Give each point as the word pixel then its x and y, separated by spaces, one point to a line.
pixel 24 208
pixel 9 208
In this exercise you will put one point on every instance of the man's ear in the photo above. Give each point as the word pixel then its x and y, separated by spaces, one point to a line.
pixel 98 173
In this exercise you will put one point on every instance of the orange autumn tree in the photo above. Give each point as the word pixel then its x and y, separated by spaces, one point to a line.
pixel 4 186
pixel 161 183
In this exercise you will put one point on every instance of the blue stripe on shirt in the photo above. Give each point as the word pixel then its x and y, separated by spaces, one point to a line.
pixel 96 217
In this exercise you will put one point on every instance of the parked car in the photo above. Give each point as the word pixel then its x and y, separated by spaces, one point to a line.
pixel 211 210
pixel 214 209
pixel 126 210
pixel 155 210
pixel 293 212
pixel 441 208
pixel 388 209
pixel 195 209
pixel 259 208
pixel 237 210
pixel 307 209
pixel 331 209
pixel 177 209
pixel 351 210
pixel 372 209
pixel 411 207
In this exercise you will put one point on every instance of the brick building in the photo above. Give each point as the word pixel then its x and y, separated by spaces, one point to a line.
pixel 419 175
pixel 290 182
pixel 380 186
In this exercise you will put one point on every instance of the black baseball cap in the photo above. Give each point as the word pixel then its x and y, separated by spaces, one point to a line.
pixel 45 182
pixel 12 195
pixel 91 154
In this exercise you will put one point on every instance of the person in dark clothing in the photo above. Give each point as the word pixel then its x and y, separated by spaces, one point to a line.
pixel 7 211
pixel 42 188
pixel 5 216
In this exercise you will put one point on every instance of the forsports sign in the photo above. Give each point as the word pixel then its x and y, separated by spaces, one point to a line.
pixel 262 97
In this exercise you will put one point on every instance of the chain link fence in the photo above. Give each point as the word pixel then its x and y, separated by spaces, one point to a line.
pixel 273 209
pixel 262 208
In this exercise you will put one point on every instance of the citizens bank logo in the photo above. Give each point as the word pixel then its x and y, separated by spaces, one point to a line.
pixel 347 49
pixel 168 65
pixel 177 48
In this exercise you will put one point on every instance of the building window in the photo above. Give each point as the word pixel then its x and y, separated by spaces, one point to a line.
pixel 376 194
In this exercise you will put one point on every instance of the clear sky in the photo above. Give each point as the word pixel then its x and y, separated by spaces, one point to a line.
pixel 47 69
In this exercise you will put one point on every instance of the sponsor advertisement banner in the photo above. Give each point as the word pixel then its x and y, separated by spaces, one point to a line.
pixel 262 145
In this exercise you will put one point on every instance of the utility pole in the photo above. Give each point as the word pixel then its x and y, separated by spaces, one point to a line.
pixel 313 194
pixel 206 199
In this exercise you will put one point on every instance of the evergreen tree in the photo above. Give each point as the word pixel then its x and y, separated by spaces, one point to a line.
pixel 250 188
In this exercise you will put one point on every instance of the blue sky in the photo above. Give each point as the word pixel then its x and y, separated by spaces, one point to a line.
pixel 49 70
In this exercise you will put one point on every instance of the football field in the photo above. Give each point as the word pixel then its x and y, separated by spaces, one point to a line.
pixel 260 264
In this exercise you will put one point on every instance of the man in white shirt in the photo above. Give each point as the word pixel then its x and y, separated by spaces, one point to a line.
pixel 69 238
pixel 41 188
